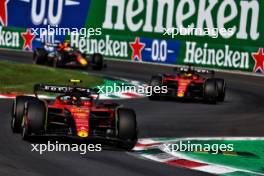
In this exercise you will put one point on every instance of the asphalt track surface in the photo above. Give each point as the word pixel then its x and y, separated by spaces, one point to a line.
pixel 240 115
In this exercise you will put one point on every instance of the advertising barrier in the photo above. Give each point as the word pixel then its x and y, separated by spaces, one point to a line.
pixel 224 34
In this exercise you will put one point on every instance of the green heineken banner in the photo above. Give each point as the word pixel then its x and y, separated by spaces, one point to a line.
pixel 219 56
pixel 226 34
pixel 149 18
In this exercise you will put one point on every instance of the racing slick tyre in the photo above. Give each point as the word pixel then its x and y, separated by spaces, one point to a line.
pixel 34 118
pixel 126 128
pixel 55 62
pixel 39 56
pixel 18 112
pixel 210 91
pixel 221 86
pixel 25 129
pixel 58 61
pixel 97 61
pixel 155 81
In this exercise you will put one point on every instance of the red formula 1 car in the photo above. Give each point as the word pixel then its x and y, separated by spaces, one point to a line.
pixel 74 112
pixel 190 83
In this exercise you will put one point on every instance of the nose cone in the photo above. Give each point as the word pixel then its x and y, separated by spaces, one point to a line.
pixel 82 61
pixel 182 87
pixel 82 134
pixel 180 94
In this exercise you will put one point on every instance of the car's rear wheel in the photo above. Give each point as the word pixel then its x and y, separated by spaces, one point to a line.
pixel 97 61
pixel 126 127
pixel 34 118
pixel 18 112
pixel 210 91
pixel 155 81
pixel 39 56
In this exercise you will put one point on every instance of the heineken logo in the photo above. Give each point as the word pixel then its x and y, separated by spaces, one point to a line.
pixel 11 39
pixel 8 38
pixel 108 46
pixel 223 57
pixel 156 15
pixel 105 46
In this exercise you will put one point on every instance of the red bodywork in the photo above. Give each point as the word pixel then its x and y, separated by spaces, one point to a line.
pixel 81 114
pixel 183 82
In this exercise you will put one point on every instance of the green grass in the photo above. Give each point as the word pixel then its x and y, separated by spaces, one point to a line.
pixel 252 159
pixel 20 78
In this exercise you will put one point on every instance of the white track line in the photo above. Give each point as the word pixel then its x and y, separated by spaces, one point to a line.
pixel 209 167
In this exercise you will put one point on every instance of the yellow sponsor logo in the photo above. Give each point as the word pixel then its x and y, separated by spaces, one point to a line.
pixel 75 81
pixel 83 61
pixel 82 134
pixel 180 94
pixel 79 110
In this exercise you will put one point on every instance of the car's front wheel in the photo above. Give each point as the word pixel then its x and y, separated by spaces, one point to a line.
pixel 39 56
pixel 34 118
pixel 18 112
pixel 210 91
pixel 221 88
pixel 97 61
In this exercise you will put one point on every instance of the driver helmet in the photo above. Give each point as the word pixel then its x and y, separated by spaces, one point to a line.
pixel 74 100
pixel 188 74
pixel 67 43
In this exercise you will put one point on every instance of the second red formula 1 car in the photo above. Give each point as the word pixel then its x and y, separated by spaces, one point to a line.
pixel 190 83
pixel 74 112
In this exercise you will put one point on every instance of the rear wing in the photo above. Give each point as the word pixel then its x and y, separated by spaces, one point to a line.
pixel 205 71
pixel 194 70
pixel 55 44
pixel 64 89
